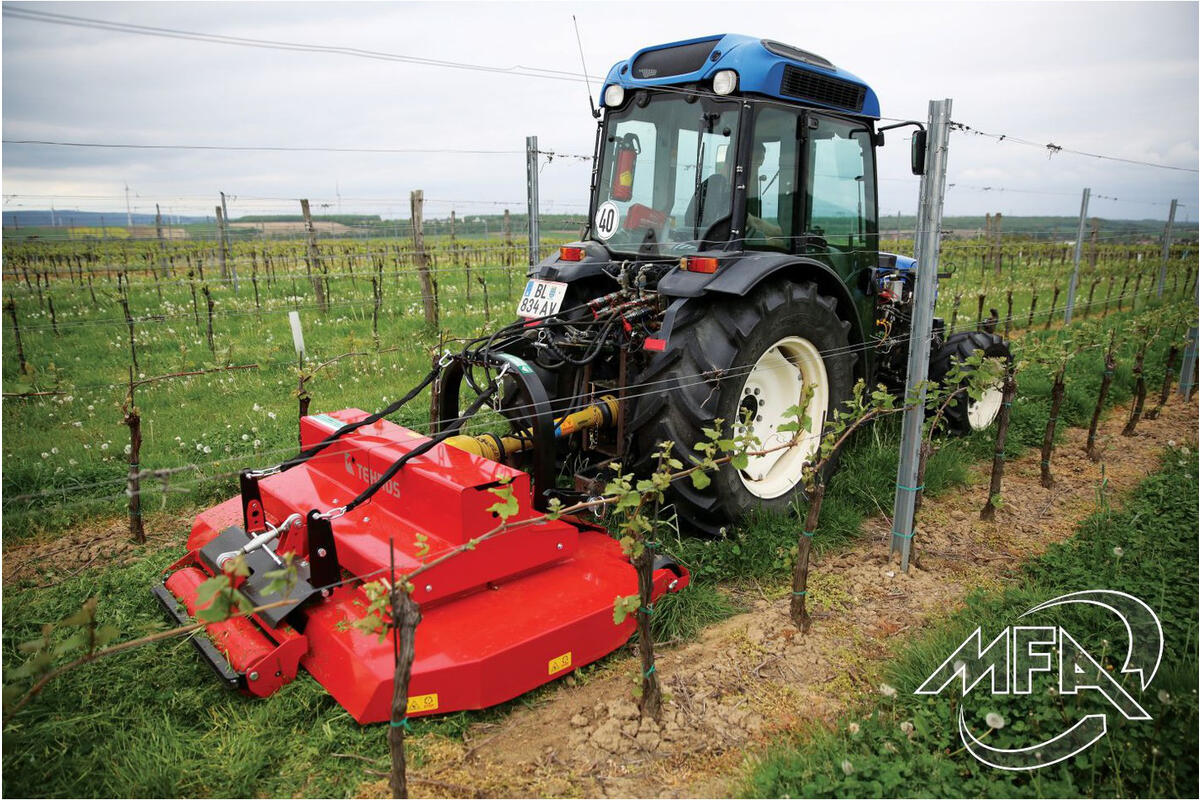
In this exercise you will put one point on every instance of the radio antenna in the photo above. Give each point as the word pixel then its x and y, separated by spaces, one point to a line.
pixel 586 79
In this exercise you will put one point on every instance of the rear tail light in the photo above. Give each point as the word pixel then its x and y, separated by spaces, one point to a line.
pixel 698 264
pixel 571 254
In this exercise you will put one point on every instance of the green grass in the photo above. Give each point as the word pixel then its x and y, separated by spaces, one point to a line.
pixel 868 754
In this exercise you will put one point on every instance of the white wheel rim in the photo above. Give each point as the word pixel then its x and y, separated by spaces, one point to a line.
pixel 982 412
pixel 775 384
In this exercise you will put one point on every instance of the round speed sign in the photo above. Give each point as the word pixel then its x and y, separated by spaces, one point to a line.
pixel 608 216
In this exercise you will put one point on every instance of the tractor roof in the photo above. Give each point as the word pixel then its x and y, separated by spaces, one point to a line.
pixel 764 67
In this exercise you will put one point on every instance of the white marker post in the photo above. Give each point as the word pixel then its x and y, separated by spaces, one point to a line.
pixel 297 334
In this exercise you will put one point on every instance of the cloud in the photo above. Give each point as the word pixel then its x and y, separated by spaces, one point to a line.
pixel 1105 77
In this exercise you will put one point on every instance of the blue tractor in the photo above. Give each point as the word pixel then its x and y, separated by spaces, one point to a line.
pixel 731 258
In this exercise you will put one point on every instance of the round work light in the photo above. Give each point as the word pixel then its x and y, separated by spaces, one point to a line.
pixel 725 81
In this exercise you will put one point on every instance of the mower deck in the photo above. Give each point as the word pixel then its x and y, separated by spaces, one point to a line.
pixel 516 611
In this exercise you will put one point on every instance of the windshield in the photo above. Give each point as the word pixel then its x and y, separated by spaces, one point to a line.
pixel 666 174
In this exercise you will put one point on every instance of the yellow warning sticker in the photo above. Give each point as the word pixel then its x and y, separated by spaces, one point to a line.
pixel 560 663
pixel 422 702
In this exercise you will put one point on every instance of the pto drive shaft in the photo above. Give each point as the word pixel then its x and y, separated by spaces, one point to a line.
pixel 497 448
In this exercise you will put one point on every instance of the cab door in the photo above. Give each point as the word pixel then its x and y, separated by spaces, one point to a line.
pixel 839 217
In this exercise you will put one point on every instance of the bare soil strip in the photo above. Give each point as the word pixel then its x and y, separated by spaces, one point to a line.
pixel 48 560
pixel 752 678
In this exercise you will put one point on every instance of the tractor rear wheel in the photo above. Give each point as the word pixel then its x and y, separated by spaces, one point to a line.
pixel 971 415
pixel 748 357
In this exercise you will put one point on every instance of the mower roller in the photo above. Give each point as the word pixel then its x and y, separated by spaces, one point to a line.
pixel 730 267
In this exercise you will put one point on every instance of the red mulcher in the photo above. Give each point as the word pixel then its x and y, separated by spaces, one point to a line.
pixel 519 610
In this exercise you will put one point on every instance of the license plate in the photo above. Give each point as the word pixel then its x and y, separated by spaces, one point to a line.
pixel 541 298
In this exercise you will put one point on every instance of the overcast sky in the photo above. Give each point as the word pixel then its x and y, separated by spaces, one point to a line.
pixel 1119 79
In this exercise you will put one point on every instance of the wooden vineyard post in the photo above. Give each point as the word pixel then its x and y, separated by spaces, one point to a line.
pixel 312 259
pixel 428 285
pixel 221 253
pixel 988 512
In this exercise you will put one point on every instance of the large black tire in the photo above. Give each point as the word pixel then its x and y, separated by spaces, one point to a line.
pixel 966 415
pixel 681 392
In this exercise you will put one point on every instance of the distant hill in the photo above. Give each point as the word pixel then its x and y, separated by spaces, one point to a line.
pixel 1056 228
pixel 67 218
pixel 21 224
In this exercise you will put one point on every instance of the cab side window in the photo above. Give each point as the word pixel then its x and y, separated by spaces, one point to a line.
pixel 771 186
pixel 840 185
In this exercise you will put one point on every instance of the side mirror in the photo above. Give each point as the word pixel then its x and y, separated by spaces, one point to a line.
pixel 918 152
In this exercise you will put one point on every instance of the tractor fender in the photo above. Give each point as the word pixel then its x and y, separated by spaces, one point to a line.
pixel 553 268
pixel 747 273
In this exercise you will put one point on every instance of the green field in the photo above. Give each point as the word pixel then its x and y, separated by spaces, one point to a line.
pixel 63 450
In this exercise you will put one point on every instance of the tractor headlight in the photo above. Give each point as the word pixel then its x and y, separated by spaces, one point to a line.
pixel 614 95
pixel 725 81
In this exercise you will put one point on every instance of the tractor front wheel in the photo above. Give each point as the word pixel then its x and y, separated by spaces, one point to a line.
pixel 968 414
pixel 747 358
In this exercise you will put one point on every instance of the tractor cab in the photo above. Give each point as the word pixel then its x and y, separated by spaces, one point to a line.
pixel 734 143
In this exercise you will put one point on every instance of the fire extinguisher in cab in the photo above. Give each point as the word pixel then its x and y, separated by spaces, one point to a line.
pixel 626 164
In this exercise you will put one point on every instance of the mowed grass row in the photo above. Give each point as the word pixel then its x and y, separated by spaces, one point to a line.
pixel 908 744
pixel 64 458
pixel 155 722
